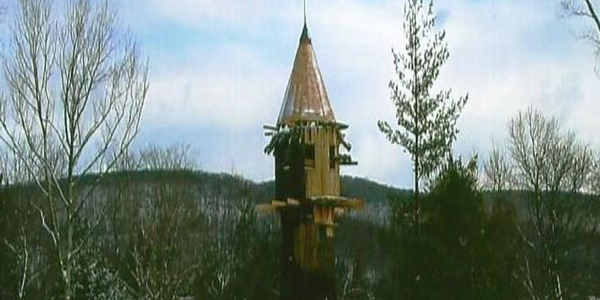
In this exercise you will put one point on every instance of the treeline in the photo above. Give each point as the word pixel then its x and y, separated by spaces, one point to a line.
pixel 155 228
pixel 157 232
pixel 168 231
pixel 475 244
pixel 527 227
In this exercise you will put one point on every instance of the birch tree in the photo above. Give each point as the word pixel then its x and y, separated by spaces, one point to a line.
pixel 75 89
pixel 426 120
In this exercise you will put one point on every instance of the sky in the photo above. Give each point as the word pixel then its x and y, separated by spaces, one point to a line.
pixel 218 70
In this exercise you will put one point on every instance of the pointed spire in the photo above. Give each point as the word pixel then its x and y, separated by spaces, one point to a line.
pixel 305 98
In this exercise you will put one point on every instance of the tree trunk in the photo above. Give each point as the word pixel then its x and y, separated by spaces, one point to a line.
pixel 416 195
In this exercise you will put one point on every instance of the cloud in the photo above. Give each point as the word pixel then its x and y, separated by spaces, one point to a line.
pixel 231 15
pixel 532 59
pixel 230 90
pixel 224 69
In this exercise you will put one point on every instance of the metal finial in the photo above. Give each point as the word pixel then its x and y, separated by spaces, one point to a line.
pixel 304 12
pixel 304 37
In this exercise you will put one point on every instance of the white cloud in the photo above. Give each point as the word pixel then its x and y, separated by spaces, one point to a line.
pixel 245 16
pixel 508 55
pixel 511 56
pixel 233 89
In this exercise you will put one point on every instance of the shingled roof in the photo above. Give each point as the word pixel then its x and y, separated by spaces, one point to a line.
pixel 305 98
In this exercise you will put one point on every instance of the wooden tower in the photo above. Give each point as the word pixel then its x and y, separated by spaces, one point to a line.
pixel 306 144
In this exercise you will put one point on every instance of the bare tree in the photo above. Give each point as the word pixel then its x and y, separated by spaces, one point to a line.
pixel 497 170
pixel 553 166
pixel 582 165
pixel 75 92
pixel 174 157
pixel 13 168
pixel 547 159
pixel 153 221
pixel 426 120
pixel 159 268
pixel 531 137
pixel 593 183
pixel 21 254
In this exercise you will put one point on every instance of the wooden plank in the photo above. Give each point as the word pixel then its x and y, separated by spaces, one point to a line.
pixel 324 161
pixel 328 198
pixel 341 126
pixel 329 232
pixel 357 204
pixel 322 179
pixel 264 208
pixel 278 204
pixel 338 201
pixel 269 127
pixel 324 215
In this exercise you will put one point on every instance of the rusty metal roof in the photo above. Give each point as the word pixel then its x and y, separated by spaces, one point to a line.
pixel 305 98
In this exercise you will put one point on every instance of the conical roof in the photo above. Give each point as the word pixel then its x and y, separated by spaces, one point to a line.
pixel 305 98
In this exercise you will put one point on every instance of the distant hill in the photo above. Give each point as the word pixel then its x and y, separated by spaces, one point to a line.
pixel 374 195
pixel 235 187
pixel 354 187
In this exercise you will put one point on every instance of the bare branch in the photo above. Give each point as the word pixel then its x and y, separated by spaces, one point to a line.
pixel 75 92
pixel 587 11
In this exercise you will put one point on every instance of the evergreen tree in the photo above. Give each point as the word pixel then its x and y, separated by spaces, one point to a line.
pixel 426 119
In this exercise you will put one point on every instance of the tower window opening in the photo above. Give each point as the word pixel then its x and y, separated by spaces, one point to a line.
pixel 332 157
pixel 309 155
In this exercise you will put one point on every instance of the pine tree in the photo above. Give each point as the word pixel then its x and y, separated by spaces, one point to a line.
pixel 426 120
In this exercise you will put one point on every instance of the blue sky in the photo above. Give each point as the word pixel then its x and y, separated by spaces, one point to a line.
pixel 219 68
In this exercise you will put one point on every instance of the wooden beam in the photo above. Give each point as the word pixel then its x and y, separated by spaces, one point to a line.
pixel 328 198
pixel 339 201
pixel 278 204
pixel 341 126
pixel 270 127
pixel 293 202
pixel 357 204
pixel 264 208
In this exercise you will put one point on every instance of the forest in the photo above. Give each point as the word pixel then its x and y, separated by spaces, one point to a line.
pixel 86 215
pixel 166 230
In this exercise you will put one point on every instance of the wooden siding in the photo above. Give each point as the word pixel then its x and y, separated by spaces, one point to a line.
pixel 322 180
